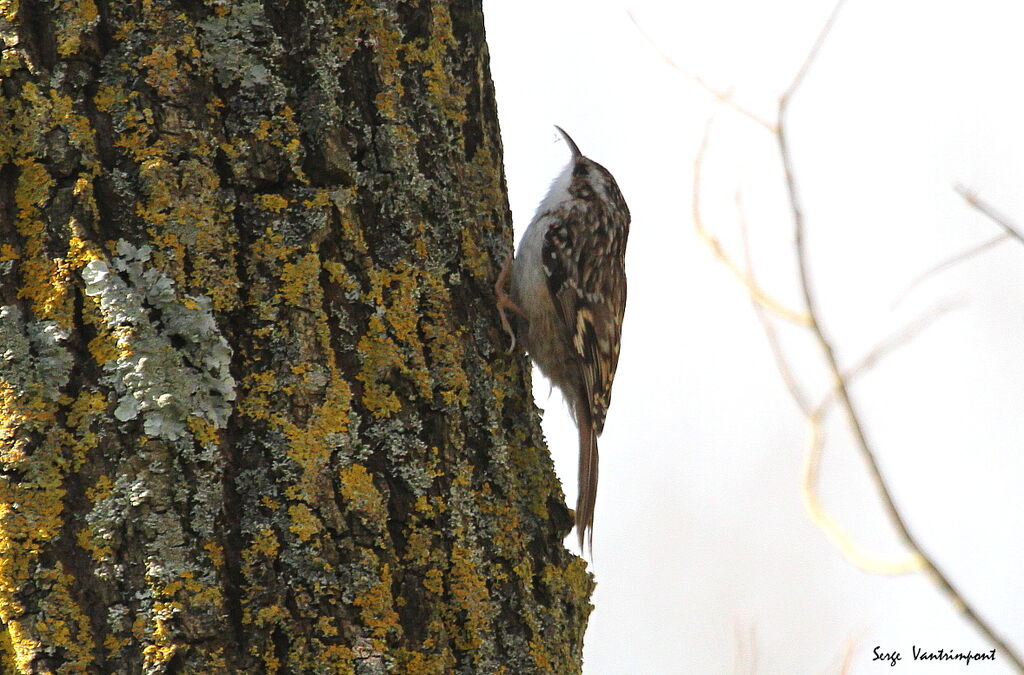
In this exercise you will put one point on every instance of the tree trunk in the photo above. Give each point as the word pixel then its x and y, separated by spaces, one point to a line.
pixel 255 412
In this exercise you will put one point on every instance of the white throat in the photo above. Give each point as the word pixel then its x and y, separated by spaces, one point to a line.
pixel 559 190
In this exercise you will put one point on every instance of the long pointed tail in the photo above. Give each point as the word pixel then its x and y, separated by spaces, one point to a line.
pixel 587 480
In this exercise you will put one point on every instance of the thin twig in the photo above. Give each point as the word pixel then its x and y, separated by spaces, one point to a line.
pixel 770 334
pixel 810 302
pixel 847 660
pixel 746 648
pixel 722 96
pixel 950 262
pixel 816 415
pixel 836 533
pixel 716 247
pixel 893 342
pixel 1009 231
pixel 809 60
pixel 980 205
pixel 815 444
pixel 842 391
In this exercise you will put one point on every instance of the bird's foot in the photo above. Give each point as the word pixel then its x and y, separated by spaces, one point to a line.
pixel 504 301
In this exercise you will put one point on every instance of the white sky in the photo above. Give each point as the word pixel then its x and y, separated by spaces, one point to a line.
pixel 700 529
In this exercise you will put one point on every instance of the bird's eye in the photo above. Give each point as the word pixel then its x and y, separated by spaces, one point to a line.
pixel 580 170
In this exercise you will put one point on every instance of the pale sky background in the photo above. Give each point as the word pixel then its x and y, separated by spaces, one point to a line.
pixel 700 529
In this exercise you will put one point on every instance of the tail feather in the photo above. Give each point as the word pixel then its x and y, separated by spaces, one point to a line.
pixel 587 496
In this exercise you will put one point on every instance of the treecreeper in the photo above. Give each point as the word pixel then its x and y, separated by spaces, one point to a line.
pixel 567 299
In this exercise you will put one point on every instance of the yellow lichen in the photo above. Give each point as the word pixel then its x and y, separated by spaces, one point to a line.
pixel 65 623
pixel 265 542
pixel 98 548
pixel 341 276
pixel 380 358
pixel 376 603
pixel 216 552
pixel 164 71
pixel 433 581
pixel 339 659
pixel 114 645
pixel 270 615
pixel 31 512
pixel 305 524
pixel 9 10
pixel 469 594
pixel 444 344
pixel 360 21
pixel 271 247
pixel 282 131
pixel 45 285
pixel 443 91
pixel 103 348
pixel 310 444
pixel 321 199
pixel 157 638
pixel 272 202
pixel 256 404
pixel 301 283
pixel 202 430
pixel 360 494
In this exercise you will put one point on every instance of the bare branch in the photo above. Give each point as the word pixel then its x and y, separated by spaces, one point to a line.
pixel 815 436
pixel 815 417
pixel 839 392
pixel 755 291
pixel 977 203
pixel 842 390
pixel 839 383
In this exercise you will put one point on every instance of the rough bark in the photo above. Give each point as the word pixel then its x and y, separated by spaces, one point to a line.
pixel 255 414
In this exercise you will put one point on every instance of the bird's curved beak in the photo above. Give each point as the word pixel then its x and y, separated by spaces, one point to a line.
pixel 572 144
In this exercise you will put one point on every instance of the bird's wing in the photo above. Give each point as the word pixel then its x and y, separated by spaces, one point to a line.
pixel 590 299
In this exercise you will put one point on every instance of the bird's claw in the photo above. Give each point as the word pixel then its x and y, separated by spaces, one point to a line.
pixel 505 302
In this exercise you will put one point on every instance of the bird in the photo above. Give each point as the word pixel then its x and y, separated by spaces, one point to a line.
pixel 567 300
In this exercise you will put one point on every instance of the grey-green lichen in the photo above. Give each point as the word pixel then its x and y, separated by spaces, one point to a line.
pixel 228 46
pixel 32 353
pixel 172 360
